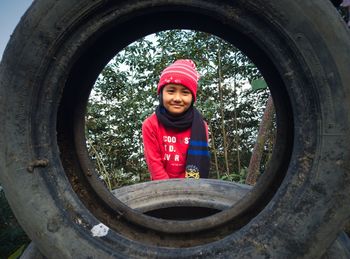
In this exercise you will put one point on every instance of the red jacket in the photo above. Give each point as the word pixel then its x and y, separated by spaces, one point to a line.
pixel 165 149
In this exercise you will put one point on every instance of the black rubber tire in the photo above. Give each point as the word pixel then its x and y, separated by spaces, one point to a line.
pixel 32 252
pixel 48 69
pixel 221 195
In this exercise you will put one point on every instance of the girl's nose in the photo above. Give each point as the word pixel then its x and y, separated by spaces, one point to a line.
pixel 177 97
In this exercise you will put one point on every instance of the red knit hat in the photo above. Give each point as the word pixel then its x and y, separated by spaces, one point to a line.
pixel 182 72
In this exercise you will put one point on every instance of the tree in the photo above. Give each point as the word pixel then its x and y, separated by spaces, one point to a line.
pixel 263 134
pixel 125 94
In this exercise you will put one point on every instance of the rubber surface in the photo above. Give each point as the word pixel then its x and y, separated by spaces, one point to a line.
pixel 211 194
pixel 48 69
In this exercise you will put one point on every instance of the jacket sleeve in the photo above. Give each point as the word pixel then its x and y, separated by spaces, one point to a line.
pixel 152 152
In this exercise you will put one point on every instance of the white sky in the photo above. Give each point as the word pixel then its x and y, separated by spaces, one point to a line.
pixel 11 12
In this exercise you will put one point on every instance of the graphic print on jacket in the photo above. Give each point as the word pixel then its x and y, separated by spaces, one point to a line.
pixel 170 143
pixel 166 151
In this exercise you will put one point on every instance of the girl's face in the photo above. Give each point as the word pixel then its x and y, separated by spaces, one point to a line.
pixel 176 99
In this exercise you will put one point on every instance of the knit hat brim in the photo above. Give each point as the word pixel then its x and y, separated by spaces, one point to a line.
pixel 182 72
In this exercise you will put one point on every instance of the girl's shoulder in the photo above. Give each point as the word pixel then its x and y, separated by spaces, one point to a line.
pixel 150 121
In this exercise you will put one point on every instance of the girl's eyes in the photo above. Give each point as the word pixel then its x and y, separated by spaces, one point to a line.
pixel 184 92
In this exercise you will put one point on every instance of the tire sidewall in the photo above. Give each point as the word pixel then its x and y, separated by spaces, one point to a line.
pixel 312 203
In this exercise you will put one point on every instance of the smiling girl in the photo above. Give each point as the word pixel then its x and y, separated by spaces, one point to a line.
pixel 175 137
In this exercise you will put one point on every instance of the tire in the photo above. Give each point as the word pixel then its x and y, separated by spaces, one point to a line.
pixel 32 252
pixel 219 195
pixel 155 195
pixel 47 71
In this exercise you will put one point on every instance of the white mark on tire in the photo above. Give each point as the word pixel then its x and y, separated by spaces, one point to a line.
pixel 100 230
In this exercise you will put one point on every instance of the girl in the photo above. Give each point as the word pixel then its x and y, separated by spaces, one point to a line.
pixel 175 137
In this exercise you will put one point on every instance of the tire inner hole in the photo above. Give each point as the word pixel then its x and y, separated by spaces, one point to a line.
pixel 182 213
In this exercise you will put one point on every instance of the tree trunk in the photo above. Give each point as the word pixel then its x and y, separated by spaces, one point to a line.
pixel 236 138
pixel 214 151
pixel 264 129
pixel 222 112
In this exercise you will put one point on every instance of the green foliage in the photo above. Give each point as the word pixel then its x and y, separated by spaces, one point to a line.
pixel 236 177
pixel 258 84
pixel 17 253
pixel 344 12
pixel 125 94
pixel 12 237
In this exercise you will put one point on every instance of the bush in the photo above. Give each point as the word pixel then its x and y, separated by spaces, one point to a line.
pixel 12 236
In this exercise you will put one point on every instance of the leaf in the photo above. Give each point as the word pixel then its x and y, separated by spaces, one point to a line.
pixel 17 253
pixel 258 84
